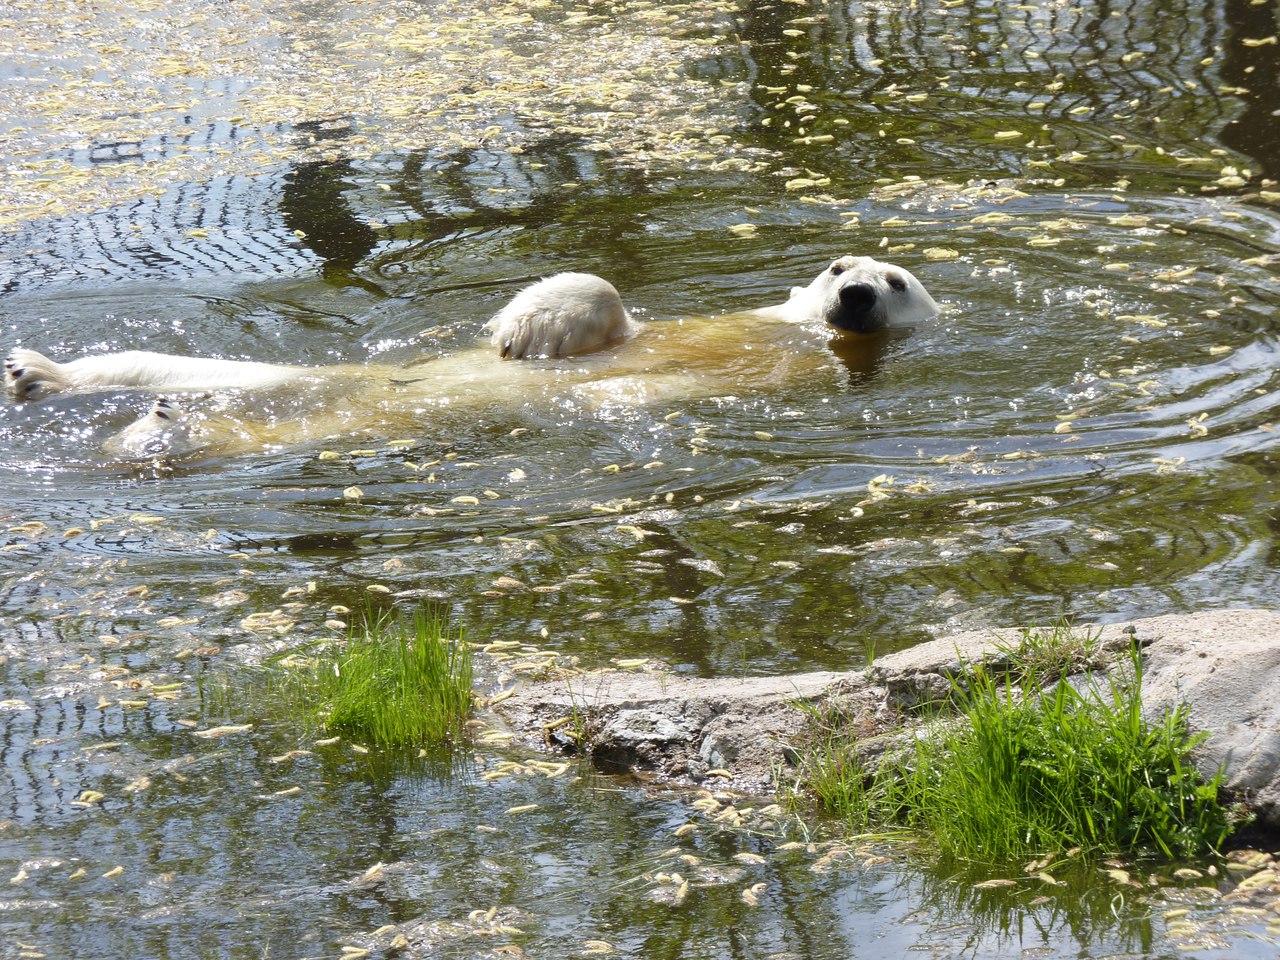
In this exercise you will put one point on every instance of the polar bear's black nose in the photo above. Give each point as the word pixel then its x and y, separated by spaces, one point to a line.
pixel 857 312
pixel 858 297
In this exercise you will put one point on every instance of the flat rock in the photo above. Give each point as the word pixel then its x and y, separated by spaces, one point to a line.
pixel 675 726
pixel 1223 664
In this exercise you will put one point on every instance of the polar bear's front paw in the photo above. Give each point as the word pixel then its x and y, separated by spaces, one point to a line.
pixel 30 376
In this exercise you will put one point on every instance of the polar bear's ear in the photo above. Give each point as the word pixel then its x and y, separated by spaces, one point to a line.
pixel 797 291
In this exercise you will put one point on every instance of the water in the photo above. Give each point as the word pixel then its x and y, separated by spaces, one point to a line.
pixel 1087 430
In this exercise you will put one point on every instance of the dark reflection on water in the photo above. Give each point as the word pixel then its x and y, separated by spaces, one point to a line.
pixel 1254 132
pixel 1087 430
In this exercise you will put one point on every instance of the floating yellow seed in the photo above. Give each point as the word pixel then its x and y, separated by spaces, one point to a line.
pixel 139 785
pixel 214 732
pixel 940 253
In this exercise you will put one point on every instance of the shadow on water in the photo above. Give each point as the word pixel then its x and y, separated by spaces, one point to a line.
pixel 1087 430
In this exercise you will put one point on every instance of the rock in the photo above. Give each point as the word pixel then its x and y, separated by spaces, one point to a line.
pixel 676 725
pixel 1224 665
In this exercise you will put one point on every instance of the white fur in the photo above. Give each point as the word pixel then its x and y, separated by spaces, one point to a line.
pixel 562 316
pixel 32 376
pixel 860 295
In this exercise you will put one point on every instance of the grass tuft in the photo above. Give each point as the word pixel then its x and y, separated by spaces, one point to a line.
pixel 1034 761
pixel 397 681
pixel 839 781
pixel 1046 655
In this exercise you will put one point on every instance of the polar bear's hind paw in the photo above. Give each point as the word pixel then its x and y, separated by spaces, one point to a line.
pixel 31 376
pixel 160 431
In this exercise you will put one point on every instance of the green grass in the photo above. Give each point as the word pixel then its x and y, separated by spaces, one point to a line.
pixel 839 780
pixel 1070 764
pixel 396 681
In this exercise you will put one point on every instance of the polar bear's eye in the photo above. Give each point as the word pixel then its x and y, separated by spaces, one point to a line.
pixel 837 269
pixel 896 282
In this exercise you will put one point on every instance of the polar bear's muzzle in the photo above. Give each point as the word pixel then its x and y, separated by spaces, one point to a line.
pixel 858 308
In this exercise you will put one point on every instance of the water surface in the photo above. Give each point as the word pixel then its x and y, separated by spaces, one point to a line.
pixel 1087 430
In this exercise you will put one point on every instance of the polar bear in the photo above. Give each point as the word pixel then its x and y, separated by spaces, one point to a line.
pixel 578 313
pixel 574 322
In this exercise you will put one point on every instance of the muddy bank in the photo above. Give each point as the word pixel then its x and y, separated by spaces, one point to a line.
pixel 1225 665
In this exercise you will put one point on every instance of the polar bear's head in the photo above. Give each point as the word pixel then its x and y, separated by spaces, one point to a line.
pixel 862 295
pixel 563 315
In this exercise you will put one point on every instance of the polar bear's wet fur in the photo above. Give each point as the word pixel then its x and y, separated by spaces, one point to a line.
pixel 568 315
pixel 560 316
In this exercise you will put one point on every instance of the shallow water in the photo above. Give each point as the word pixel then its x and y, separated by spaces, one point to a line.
pixel 1087 430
